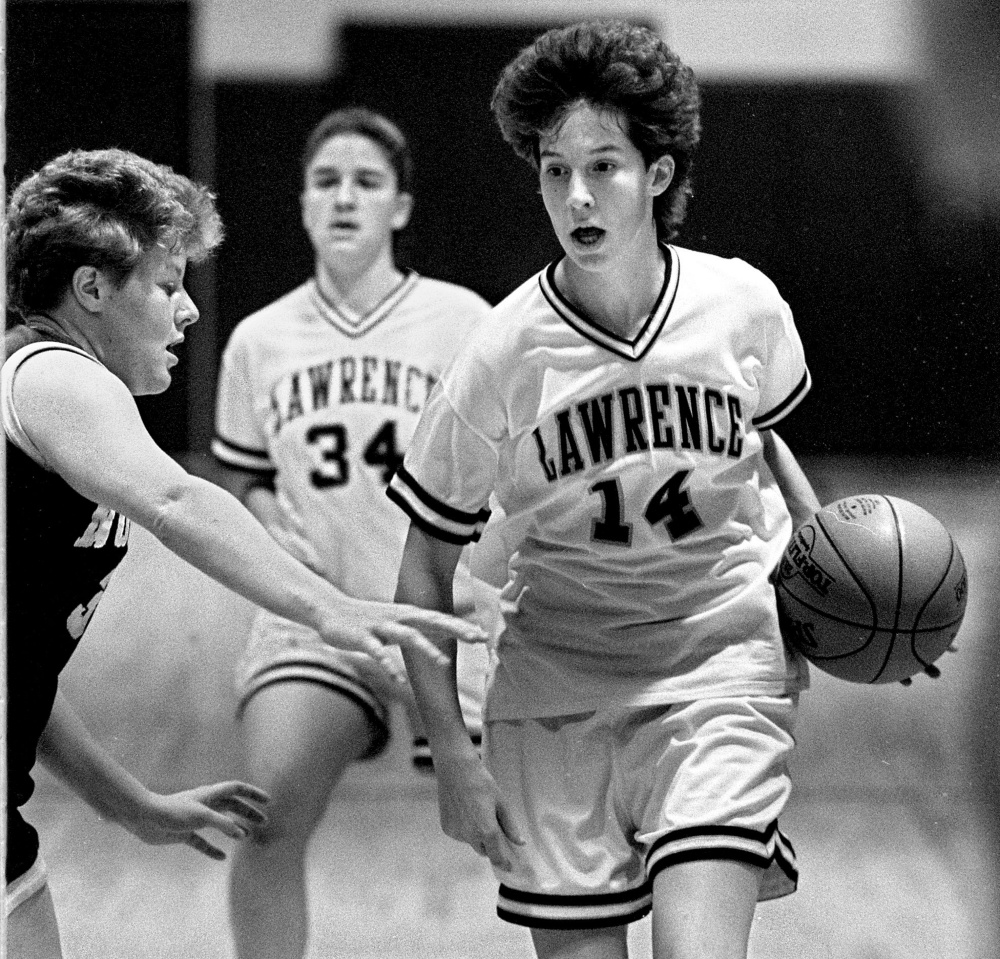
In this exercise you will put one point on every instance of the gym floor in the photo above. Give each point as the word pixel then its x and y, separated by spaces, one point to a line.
pixel 894 816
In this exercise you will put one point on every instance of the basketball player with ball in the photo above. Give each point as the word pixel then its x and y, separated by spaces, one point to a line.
pixel 620 407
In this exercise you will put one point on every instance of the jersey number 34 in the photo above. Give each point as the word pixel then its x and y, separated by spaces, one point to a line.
pixel 333 445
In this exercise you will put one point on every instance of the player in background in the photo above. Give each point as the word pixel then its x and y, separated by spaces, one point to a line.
pixel 319 394
pixel 97 245
pixel 619 406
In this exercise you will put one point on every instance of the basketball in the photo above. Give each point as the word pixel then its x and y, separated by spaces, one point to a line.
pixel 872 589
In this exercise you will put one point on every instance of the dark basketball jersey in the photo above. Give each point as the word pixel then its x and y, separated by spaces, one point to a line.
pixel 61 551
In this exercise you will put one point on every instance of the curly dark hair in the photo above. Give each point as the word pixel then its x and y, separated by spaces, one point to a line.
pixel 367 123
pixel 609 64
pixel 100 208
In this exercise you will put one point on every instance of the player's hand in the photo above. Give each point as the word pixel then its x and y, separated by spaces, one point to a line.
pixel 369 627
pixel 473 811
pixel 233 808
pixel 931 671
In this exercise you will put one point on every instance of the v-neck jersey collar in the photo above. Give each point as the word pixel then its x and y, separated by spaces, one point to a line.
pixel 358 325
pixel 630 349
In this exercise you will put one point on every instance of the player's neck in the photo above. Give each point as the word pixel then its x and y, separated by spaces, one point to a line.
pixel 359 291
pixel 60 324
pixel 619 298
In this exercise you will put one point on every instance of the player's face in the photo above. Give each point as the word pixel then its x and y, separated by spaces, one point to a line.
pixel 143 319
pixel 597 188
pixel 351 204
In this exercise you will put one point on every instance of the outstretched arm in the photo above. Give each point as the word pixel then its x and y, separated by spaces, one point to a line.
pixel 86 424
pixel 249 490
pixel 792 481
pixel 68 750
pixel 472 809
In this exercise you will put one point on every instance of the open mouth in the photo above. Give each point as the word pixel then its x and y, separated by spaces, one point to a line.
pixel 587 235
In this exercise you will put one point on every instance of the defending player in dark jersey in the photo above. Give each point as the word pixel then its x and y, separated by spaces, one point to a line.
pixel 98 243
pixel 618 405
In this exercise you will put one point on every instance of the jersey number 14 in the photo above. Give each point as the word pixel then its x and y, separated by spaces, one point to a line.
pixel 670 505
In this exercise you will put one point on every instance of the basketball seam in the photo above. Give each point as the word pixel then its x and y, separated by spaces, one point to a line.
pixel 873 629
pixel 899 587
pixel 832 657
pixel 927 602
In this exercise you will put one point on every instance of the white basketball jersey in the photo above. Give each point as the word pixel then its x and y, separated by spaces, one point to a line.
pixel 326 403
pixel 642 518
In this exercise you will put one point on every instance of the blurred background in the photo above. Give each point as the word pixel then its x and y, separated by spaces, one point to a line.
pixel 851 151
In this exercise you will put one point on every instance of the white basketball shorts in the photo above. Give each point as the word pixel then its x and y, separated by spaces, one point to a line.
pixel 607 799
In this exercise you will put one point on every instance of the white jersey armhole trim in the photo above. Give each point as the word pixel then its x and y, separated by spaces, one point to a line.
pixel 11 423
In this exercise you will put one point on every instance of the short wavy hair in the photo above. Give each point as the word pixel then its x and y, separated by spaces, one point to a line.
pixel 367 123
pixel 611 65
pixel 100 208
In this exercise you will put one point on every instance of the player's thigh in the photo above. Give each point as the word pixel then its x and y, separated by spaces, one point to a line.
pixel 704 909
pixel 299 737
pixel 32 929
pixel 609 942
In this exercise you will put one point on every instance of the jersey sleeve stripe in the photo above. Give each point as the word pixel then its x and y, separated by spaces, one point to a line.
pixel 426 525
pixel 242 457
pixel 766 420
pixel 433 517
pixel 431 502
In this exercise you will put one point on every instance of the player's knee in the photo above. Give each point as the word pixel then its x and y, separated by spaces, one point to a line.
pixel 278 836
pixel 288 822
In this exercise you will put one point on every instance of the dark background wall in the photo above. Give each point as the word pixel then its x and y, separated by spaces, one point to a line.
pixel 818 184
pixel 95 75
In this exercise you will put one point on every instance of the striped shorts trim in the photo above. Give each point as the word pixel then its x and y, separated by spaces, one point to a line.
pixel 26 885
pixel 315 673
pixel 573 912
pixel 770 849
pixel 311 672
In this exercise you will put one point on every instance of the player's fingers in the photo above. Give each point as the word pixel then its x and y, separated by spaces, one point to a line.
pixel 509 826
pixel 202 845
pixel 381 654
pixel 240 807
pixel 432 622
pixel 236 789
pixel 493 848
pixel 225 823
pixel 374 642
pixel 407 637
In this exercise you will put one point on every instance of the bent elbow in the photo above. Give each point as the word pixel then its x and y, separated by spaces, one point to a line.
pixel 168 510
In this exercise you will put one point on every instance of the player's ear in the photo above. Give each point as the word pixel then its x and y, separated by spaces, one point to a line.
pixel 661 174
pixel 404 207
pixel 89 287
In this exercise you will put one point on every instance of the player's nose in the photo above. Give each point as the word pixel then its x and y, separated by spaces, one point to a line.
pixel 187 312
pixel 578 195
